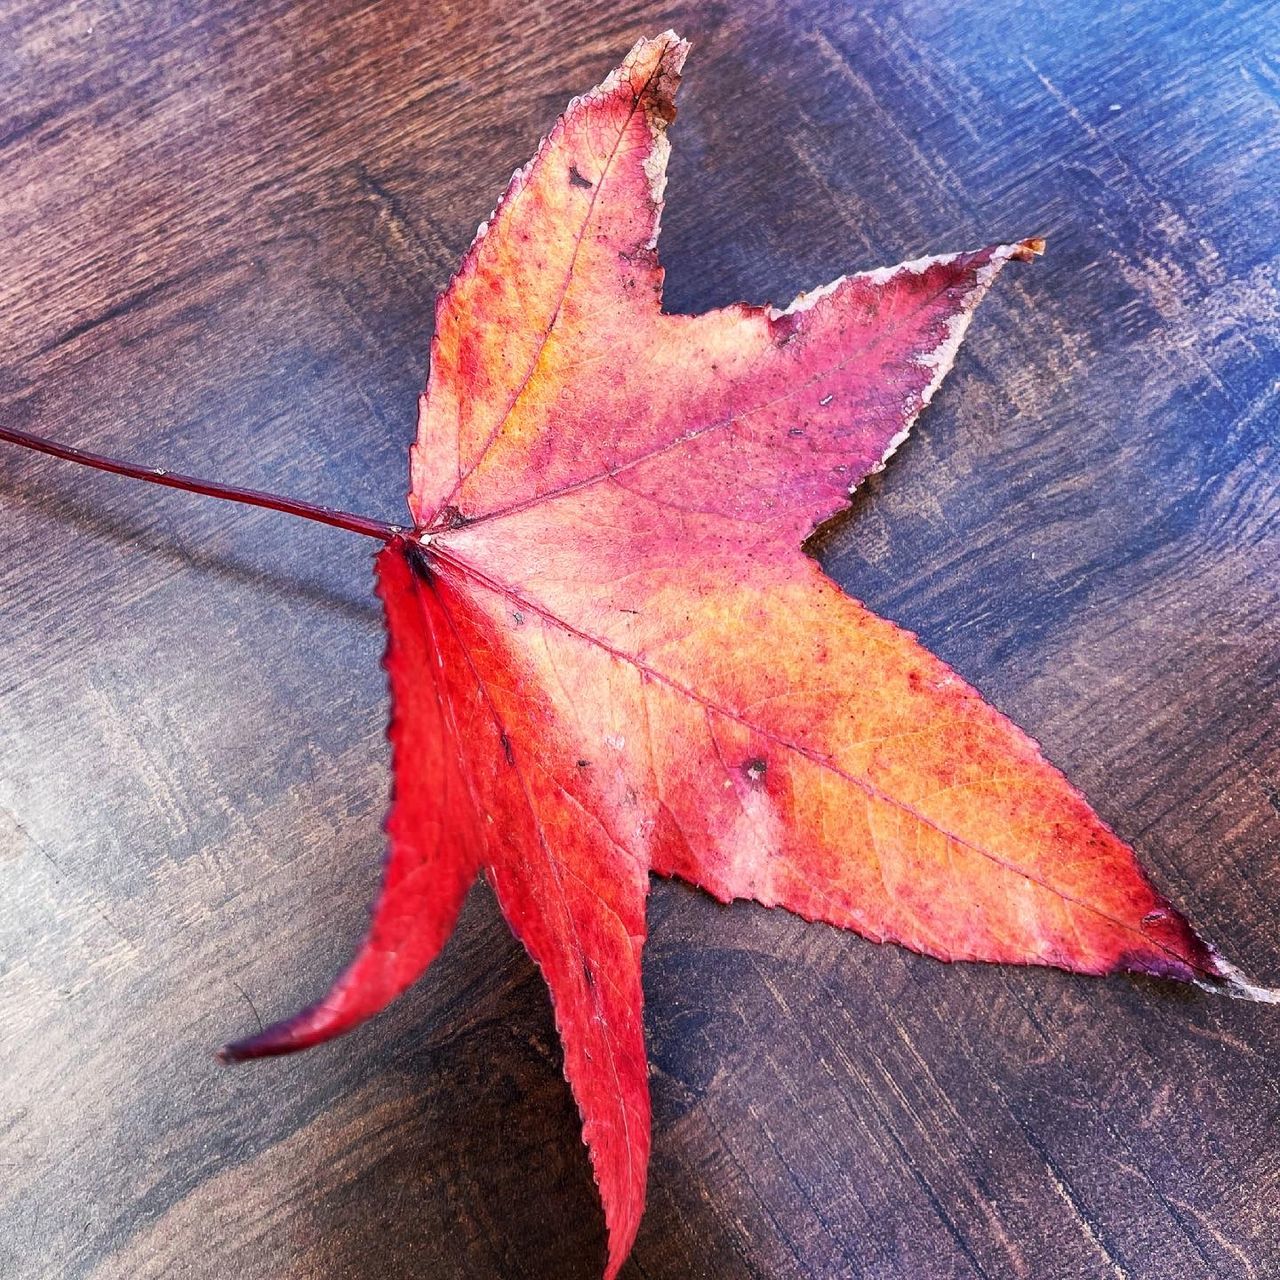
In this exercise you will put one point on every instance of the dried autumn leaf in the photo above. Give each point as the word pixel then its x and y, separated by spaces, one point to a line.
pixel 608 654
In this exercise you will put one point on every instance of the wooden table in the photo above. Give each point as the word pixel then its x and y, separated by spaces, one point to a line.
pixel 222 226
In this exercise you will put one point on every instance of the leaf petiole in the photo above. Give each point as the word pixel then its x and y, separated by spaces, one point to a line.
pixel 249 497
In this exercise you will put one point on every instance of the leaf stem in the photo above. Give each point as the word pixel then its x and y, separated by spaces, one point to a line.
pixel 250 497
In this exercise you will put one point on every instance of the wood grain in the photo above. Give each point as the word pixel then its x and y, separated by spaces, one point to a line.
pixel 222 228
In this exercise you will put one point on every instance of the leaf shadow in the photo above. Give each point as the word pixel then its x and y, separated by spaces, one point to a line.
pixel 833 536
pixel 478 1166
pixel 479 1160
pixel 60 504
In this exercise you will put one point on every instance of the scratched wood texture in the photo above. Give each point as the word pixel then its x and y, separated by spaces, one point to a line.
pixel 222 226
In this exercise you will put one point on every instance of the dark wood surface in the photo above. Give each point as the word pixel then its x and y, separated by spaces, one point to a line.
pixel 222 226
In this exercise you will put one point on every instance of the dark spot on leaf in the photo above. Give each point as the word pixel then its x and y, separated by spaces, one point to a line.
pixel 588 975
pixel 517 617
pixel 796 431
pixel 641 257
pixel 506 748
pixel 448 518
pixel 783 329
pixel 576 179
pixel 754 769
pixel 584 764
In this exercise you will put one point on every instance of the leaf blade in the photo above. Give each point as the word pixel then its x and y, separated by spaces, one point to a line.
pixel 953 835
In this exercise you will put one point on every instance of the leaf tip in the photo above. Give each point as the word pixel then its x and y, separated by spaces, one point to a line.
pixel 1028 250
pixel 1230 982
pixel 656 65
pixel 299 1032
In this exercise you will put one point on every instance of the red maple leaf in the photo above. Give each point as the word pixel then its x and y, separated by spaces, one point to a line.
pixel 609 655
